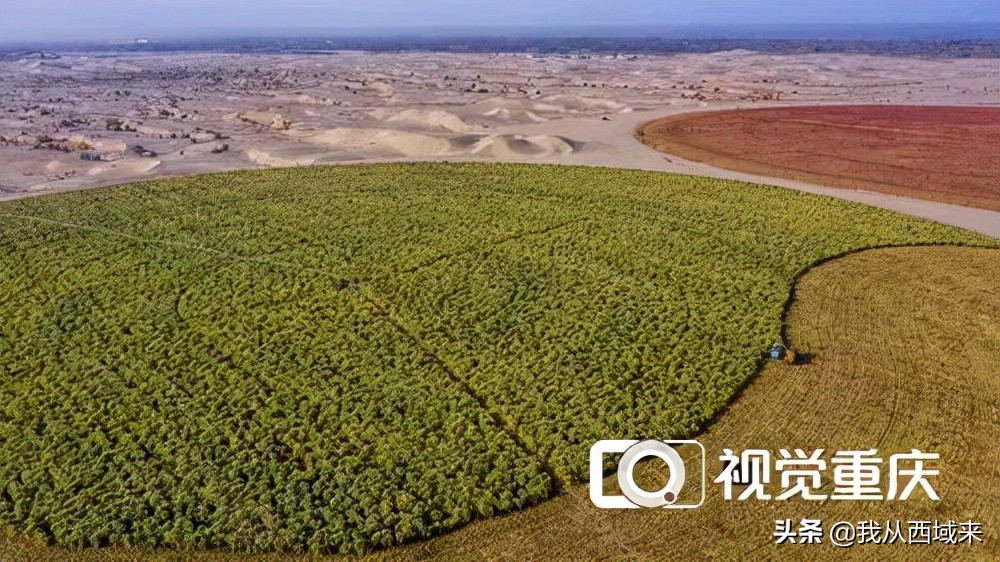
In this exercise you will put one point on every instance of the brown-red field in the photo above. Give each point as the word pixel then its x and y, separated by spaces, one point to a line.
pixel 949 154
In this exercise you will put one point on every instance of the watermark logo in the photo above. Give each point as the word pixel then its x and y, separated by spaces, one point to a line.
pixel 857 475
pixel 758 474
pixel 685 486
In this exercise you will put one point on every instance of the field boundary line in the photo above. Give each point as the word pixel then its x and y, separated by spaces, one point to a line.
pixel 557 485
pixel 786 340
pixel 790 300
pixel 492 243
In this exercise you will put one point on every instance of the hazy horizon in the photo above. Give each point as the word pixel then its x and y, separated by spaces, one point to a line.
pixel 70 20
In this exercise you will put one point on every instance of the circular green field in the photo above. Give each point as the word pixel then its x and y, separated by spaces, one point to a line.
pixel 346 358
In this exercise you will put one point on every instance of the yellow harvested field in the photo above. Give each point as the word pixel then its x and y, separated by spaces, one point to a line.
pixel 906 344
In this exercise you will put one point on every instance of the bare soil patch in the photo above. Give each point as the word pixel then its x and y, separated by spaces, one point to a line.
pixel 939 153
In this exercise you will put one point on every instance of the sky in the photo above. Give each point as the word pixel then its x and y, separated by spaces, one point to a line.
pixel 54 20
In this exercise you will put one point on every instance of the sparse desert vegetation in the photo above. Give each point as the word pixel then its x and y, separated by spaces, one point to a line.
pixel 343 359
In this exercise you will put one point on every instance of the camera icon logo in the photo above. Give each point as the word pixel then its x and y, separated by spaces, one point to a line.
pixel 685 489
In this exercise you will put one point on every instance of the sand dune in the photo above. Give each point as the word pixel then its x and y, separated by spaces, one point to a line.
pixel 511 110
pixel 202 149
pixel 394 142
pixel 264 158
pixel 66 176
pixel 383 89
pixel 517 146
pixel 305 99
pixel 57 167
pixel 400 106
pixel 574 104
pixel 129 166
pixel 548 108
pixel 264 118
pixel 522 115
pixel 381 141
pixel 430 119
pixel 153 132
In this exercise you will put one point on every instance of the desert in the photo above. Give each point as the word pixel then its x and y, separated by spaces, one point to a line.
pixel 94 119
pixel 155 115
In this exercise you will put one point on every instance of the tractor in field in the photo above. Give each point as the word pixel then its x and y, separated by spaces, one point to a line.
pixel 779 352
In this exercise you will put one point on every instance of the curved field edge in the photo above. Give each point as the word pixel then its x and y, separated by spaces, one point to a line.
pixel 914 289
pixel 906 344
pixel 455 267
pixel 958 170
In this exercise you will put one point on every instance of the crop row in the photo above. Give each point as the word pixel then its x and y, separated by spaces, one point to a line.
pixel 140 407
pixel 341 359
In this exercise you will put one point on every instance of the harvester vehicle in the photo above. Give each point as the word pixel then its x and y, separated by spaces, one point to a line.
pixel 779 352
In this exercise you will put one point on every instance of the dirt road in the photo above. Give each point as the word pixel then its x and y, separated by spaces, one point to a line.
pixel 611 143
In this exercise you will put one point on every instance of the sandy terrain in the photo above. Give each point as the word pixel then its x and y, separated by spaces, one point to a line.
pixel 89 120
pixel 940 153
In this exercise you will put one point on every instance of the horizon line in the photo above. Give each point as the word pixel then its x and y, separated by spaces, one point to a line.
pixel 471 31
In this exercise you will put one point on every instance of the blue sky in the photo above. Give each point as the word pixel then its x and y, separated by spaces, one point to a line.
pixel 83 19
